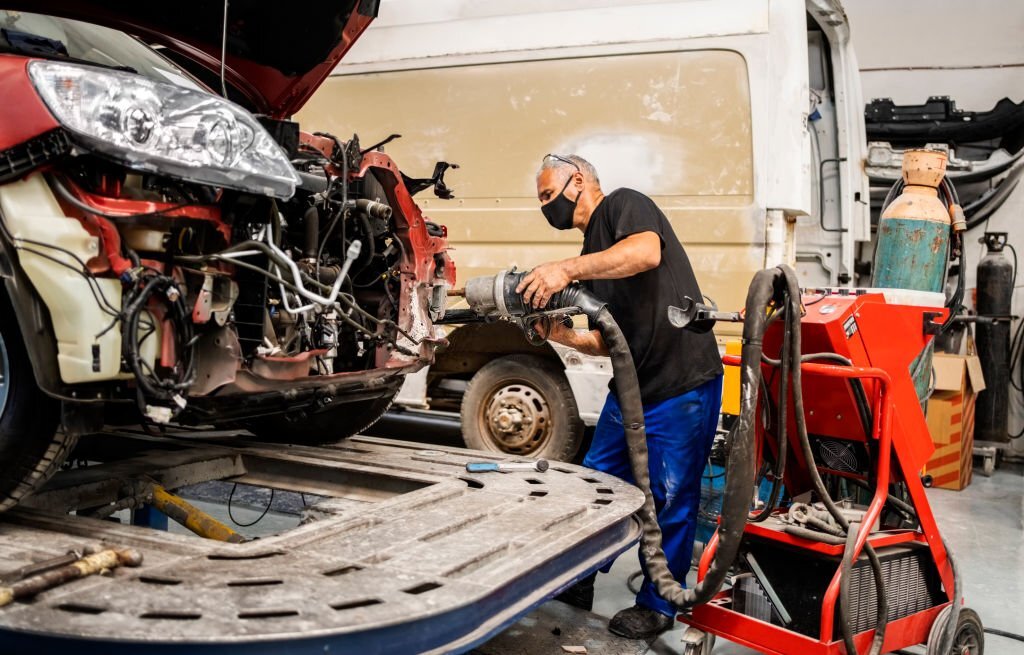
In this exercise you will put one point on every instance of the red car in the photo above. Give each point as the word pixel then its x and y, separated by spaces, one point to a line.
pixel 174 249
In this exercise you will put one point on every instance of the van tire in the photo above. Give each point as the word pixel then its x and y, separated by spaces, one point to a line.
pixel 522 405
pixel 31 448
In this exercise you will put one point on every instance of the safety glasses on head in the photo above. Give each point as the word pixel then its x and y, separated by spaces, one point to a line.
pixel 560 158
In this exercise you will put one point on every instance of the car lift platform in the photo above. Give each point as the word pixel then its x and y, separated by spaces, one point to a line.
pixel 408 552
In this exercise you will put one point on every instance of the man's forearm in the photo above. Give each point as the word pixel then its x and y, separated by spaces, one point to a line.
pixel 635 254
pixel 588 343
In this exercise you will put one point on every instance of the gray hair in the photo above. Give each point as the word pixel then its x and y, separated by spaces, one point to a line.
pixel 585 167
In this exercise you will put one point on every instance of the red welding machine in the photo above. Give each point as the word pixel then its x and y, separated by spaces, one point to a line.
pixel 869 438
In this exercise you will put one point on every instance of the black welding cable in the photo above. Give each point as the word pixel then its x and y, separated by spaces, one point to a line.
pixel 898 504
pixel 949 634
pixel 819 486
pixel 783 425
pixel 740 475
pixel 1004 633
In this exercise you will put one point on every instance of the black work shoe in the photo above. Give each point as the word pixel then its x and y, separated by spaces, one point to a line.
pixel 581 594
pixel 639 623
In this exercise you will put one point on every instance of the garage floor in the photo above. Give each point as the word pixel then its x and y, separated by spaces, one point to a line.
pixel 983 524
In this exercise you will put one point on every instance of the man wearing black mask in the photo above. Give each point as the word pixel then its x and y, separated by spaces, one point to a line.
pixel 632 260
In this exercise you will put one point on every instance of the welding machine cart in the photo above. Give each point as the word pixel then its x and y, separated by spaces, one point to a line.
pixel 867 429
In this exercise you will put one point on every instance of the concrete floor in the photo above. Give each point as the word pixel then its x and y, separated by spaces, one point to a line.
pixel 984 525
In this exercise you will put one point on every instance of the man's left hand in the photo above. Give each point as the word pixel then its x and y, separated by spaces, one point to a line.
pixel 543 282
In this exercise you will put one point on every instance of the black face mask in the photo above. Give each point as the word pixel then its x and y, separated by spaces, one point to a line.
pixel 559 211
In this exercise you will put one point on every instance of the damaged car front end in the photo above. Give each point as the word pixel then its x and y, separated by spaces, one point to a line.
pixel 170 255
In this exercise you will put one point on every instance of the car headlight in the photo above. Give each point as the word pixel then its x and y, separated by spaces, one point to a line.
pixel 164 128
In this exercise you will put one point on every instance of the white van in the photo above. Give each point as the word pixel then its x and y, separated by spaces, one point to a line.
pixel 742 119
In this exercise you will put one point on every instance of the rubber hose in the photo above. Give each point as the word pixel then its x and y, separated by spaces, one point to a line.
pixel 844 592
pixel 740 471
pixel 819 486
pixel 782 430
pixel 949 634
pixel 371 251
pixel 900 505
pixel 311 231
pixel 825 526
pixel 814 535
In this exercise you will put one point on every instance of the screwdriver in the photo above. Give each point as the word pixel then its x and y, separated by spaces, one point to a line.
pixel 540 465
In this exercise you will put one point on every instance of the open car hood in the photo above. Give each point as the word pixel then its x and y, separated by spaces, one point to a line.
pixel 278 54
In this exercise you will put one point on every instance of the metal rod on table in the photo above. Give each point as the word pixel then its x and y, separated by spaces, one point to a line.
pixel 190 516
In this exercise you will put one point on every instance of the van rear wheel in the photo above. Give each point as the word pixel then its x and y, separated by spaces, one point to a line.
pixel 31 449
pixel 522 405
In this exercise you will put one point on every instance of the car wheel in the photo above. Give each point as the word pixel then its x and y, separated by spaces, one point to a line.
pixel 522 405
pixel 326 426
pixel 31 449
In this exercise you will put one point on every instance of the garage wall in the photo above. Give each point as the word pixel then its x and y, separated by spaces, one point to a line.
pixel 971 51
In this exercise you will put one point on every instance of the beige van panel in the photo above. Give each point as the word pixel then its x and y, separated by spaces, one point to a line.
pixel 675 125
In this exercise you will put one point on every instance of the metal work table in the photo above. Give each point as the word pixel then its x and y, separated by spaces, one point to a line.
pixel 409 553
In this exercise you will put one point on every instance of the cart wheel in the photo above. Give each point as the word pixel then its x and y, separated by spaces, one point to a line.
pixel 696 642
pixel 988 465
pixel 969 638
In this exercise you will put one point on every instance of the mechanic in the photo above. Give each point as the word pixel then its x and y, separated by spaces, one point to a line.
pixel 632 259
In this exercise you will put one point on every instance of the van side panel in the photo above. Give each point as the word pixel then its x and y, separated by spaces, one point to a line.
pixel 675 125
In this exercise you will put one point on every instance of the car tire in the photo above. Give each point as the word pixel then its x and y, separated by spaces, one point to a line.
pixel 31 448
pixel 326 426
pixel 522 405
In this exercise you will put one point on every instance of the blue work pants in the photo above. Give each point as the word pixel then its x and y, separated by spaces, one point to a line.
pixel 680 431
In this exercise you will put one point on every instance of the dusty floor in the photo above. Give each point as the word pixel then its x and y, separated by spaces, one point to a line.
pixel 984 525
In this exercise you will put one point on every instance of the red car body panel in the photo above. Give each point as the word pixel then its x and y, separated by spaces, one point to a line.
pixel 23 115
pixel 270 91
pixel 425 260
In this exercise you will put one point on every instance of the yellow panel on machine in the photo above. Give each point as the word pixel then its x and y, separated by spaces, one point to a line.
pixel 731 382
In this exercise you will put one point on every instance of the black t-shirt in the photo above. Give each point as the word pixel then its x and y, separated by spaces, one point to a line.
pixel 669 361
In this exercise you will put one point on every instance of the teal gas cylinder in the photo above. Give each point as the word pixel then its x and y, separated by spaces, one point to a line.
pixel 913 241
pixel 913 231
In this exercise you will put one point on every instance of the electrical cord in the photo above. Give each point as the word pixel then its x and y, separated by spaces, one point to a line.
pixel 341 214
pixel 231 515
pixel 95 289
pixel 1009 245
pixel 1004 633
pixel 224 51
pixel 631 583
pixel 66 194
pixel 152 385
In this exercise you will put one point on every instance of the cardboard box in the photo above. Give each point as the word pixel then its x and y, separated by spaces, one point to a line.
pixel 958 379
